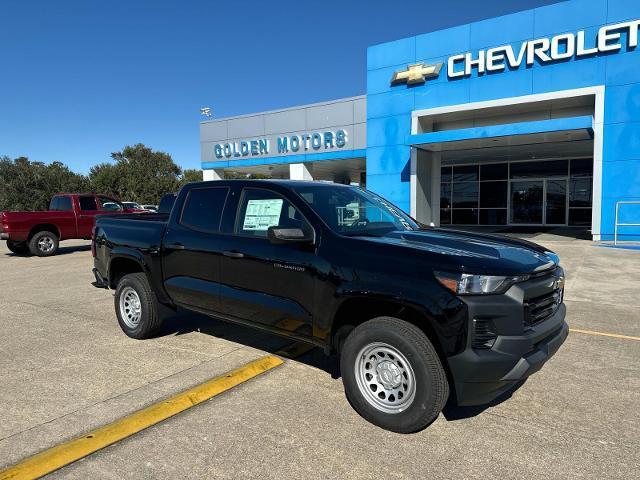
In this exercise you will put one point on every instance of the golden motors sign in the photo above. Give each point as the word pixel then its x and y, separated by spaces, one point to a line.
pixel 284 144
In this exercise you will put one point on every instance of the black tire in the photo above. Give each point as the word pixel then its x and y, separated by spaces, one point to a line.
pixel 150 320
pixel 19 248
pixel 44 244
pixel 431 388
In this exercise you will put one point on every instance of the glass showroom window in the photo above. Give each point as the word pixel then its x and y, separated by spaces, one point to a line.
pixel 474 194
pixel 580 192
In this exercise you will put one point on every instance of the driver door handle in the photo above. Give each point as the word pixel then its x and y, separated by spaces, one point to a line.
pixel 176 246
pixel 234 254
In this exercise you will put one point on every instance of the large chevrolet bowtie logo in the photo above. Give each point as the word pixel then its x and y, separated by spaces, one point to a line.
pixel 415 74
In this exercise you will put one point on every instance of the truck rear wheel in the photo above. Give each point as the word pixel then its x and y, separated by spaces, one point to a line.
pixel 43 244
pixel 19 248
pixel 136 306
pixel 392 375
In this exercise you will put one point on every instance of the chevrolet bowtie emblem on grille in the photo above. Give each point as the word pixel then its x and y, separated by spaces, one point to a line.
pixel 415 74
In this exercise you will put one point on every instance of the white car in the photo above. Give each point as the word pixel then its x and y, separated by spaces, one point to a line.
pixel 151 208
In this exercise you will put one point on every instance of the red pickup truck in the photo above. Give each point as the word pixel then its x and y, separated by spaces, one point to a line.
pixel 70 215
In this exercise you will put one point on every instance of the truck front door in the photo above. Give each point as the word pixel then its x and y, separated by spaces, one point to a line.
pixel 87 209
pixel 263 283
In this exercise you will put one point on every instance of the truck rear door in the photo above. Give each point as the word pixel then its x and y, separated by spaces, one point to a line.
pixel 65 218
pixel 191 248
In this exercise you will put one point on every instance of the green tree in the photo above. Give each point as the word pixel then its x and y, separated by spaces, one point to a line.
pixel 139 174
pixel 105 178
pixel 27 185
pixel 191 175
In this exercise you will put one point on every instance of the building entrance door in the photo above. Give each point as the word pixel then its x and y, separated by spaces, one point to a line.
pixel 538 202
pixel 555 210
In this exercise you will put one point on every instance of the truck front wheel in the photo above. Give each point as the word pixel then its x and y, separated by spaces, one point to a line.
pixel 137 307
pixel 392 375
pixel 43 244
pixel 19 248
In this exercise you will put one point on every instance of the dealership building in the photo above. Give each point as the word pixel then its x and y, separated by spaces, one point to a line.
pixel 530 119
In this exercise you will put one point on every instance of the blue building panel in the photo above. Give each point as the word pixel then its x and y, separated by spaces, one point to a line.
pixel 445 93
pixel 621 142
pixel 389 131
pixel 569 16
pixel 622 103
pixel 388 160
pixel 443 42
pixel 622 10
pixel 494 86
pixel 392 53
pixel 587 72
pixel 616 71
pixel 622 69
pixel 501 30
pixel 395 102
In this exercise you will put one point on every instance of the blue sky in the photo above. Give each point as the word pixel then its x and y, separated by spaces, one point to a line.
pixel 81 79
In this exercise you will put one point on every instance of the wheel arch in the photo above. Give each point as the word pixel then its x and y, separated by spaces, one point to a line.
pixel 357 310
pixel 121 265
pixel 43 227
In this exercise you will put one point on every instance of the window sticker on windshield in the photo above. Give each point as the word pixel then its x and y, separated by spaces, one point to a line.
pixel 262 214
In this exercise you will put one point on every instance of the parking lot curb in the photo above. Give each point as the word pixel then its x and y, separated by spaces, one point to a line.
pixel 57 457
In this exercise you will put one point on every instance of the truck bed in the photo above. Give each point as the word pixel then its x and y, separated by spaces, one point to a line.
pixel 133 230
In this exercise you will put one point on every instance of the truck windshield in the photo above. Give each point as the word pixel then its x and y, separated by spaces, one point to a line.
pixel 352 211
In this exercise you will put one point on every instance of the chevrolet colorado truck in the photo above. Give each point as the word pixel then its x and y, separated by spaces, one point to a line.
pixel 419 315
pixel 69 216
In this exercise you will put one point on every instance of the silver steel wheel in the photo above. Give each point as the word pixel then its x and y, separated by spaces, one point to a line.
pixel 130 307
pixel 45 244
pixel 385 377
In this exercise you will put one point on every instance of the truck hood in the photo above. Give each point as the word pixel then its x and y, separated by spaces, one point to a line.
pixel 472 252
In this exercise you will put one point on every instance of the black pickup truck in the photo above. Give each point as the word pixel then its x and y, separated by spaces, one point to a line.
pixel 417 314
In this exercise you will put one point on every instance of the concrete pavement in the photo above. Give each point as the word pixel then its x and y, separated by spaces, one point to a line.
pixel 66 368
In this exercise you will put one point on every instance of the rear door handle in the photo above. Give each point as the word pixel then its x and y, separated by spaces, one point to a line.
pixel 233 254
pixel 176 246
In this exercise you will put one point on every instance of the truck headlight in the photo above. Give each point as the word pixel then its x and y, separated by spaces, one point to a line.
pixel 470 284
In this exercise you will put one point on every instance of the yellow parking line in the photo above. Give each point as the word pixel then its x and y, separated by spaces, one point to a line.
pixel 604 334
pixel 57 457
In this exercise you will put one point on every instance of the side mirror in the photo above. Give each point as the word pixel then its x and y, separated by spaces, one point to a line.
pixel 288 235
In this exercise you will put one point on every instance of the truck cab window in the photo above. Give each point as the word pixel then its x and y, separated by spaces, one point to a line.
pixel 261 209
pixel 61 204
pixel 109 204
pixel 88 203
pixel 352 211
pixel 203 208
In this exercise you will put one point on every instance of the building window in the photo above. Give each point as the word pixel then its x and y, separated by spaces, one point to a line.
pixel 580 192
pixel 494 194
pixel 479 194
pixel 553 168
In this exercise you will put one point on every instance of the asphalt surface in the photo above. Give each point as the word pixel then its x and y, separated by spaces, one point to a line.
pixel 66 368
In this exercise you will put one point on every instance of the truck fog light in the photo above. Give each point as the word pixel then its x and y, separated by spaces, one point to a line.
pixel 483 335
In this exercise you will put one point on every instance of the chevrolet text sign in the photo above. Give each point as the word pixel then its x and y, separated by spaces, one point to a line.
pixel 543 50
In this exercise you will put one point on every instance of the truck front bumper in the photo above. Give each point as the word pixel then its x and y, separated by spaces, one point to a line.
pixel 517 351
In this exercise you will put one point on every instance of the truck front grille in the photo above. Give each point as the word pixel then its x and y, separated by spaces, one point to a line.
pixel 540 308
